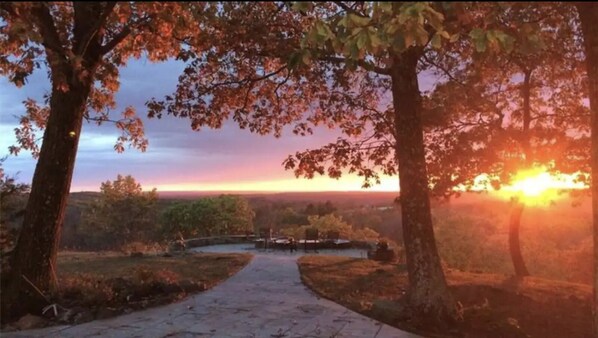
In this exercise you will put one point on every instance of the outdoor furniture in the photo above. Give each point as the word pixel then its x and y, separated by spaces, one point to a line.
pixel 292 244
pixel 311 236
pixel 382 252
pixel 333 235
pixel 265 236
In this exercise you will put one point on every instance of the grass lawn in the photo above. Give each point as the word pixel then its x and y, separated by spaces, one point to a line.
pixel 97 285
pixel 493 305
pixel 206 268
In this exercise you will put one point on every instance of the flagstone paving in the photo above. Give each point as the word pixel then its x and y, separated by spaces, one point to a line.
pixel 264 299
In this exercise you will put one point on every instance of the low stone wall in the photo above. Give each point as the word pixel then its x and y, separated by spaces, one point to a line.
pixel 322 244
pixel 215 240
pixel 242 239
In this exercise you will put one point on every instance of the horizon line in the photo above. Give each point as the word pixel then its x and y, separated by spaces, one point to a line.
pixel 255 191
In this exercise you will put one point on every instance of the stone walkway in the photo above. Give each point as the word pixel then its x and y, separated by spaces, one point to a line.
pixel 265 299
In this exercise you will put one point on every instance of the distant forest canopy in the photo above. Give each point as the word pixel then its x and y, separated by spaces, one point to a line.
pixel 471 229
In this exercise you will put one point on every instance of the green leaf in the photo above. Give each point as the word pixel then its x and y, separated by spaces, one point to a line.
pixel 375 40
pixel 359 20
pixel 477 33
pixel 306 58
pixel 303 42
pixel 294 60
pixel 385 6
pixel 478 37
pixel 343 22
pixel 434 18
pixel 444 34
pixel 351 51
pixel 480 45
pixel 506 41
pixel 323 31
pixel 491 40
pixel 362 39
pixel 436 41
pixel 393 27
pixel 302 6
pixel 421 35
pixel 403 17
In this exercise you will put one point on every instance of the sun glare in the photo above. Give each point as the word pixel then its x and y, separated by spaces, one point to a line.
pixel 538 186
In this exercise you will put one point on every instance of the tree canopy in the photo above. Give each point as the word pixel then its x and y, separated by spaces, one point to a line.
pixel 210 216
pixel 122 214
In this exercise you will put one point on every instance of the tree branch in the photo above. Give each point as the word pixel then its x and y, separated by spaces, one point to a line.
pixel 107 11
pixel 443 70
pixel 127 29
pixel 349 9
pixel 117 39
pixel 366 65
pixel 250 80
pixel 50 38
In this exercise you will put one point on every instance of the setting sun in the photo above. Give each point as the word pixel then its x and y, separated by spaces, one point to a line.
pixel 538 186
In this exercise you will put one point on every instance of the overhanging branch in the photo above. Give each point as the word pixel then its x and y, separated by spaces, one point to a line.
pixel 50 38
pixel 105 13
pixel 123 34
pixel 362 63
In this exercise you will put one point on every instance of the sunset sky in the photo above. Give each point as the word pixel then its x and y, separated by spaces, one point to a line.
pixel 178 158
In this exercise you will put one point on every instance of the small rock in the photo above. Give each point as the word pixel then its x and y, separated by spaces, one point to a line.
pixel 30 321
pixel 71 315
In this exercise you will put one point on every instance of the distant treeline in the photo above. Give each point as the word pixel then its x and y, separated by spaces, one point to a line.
pixel 471 232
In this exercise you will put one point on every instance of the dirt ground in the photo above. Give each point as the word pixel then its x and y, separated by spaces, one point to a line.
pixel 492 305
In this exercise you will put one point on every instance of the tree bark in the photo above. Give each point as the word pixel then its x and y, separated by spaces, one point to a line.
pixel 518 206
pixel 527 118
pixel 514 245
pixel 588 14
pixel 34 259
pixel 428 295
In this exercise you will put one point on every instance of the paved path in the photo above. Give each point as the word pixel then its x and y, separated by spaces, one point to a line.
pixel 265 299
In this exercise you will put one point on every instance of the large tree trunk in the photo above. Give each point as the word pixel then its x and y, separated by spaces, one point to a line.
pixel 429 295
pixel 518 206
pixel 588 13
pixel 527 117
pixel 33 264
pixel 514 245
pixel 34 260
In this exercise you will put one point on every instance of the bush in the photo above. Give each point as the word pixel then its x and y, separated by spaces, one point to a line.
pixel 330 222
